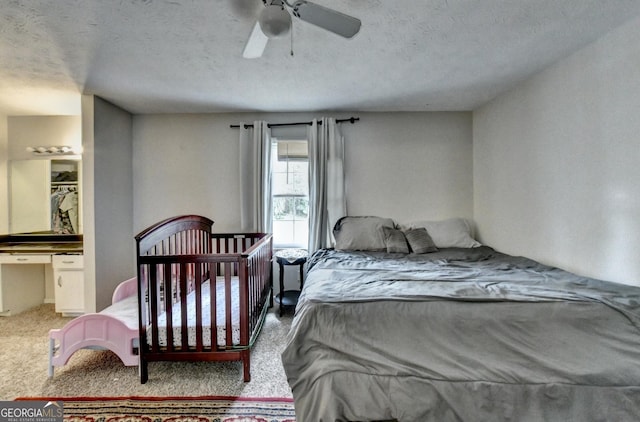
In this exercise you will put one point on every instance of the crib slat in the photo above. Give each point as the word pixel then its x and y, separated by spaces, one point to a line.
pixel 153 301
pixel 213 305
pixel 243 286
pixel 168 305
pixel 227 303
pixel 253 289
pixel 198 291
pixel 218 250
pixel 183 308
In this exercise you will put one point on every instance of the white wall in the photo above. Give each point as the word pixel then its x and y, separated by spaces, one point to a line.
pixel 410 166
pixel 400 165
pixel 88 202
pixel 185 164
pixel 26 131
pixel 4 176
pixel 557 163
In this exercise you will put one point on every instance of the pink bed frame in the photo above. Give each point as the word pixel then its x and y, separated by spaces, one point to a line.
pixel 98 331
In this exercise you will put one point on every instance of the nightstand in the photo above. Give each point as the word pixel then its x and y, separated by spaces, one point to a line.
pixel 286 257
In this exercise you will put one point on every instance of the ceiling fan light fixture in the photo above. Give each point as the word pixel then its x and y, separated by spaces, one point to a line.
pixel 275 21
pixel 275 18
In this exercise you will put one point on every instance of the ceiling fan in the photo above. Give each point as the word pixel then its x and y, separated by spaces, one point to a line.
pixel 275 22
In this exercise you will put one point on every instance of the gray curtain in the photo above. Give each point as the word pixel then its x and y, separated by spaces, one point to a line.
pixel 255 178
pixel 327 202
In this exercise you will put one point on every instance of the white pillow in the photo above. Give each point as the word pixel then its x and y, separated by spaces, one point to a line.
pixel 451 233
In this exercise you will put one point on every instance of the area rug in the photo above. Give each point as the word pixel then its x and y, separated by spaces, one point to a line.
pixel 175 409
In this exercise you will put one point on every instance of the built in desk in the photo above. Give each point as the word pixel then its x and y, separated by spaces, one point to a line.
pixel 28 261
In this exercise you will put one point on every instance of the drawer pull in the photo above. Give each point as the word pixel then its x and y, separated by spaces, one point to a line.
pixel 60 281
pixel 67 262
pixel 22 259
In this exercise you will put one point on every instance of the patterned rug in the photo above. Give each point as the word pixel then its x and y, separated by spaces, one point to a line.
pixel 175 409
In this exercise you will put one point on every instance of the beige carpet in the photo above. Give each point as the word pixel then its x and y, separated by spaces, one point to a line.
pixel 92 373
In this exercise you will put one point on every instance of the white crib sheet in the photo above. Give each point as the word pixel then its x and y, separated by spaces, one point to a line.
pixel 206 317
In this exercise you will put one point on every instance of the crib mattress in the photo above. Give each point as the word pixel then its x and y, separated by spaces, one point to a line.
pixel 206 317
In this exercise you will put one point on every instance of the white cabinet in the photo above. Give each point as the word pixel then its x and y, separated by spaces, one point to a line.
pixel 68 278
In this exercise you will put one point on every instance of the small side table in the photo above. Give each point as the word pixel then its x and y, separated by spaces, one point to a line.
pixel 285 257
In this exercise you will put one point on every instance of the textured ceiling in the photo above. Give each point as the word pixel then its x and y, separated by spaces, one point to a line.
pixel 185 56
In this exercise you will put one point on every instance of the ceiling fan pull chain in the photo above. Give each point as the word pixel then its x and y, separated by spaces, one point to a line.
pixel 291 40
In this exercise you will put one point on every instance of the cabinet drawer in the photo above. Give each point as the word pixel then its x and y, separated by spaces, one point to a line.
pixel 67 261
pixel 25 259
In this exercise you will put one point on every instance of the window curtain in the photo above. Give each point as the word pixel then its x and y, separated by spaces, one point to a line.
pixel 255 178
pixel 327 202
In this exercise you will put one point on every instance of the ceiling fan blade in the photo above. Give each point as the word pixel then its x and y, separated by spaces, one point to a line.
pixel 329 19
pixel 255 44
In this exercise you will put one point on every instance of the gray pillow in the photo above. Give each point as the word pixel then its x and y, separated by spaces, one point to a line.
pixel 395 240
pixel 361 233
pixel 420 241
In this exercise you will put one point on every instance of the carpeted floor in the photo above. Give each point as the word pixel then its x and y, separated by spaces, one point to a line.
pixel 92 373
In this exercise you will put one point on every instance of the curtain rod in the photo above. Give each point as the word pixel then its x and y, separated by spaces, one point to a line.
pixel 350 120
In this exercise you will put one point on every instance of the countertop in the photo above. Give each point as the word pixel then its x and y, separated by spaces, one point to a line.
pixel 41 243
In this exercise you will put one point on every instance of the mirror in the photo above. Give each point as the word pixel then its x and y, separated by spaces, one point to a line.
pixel 44 196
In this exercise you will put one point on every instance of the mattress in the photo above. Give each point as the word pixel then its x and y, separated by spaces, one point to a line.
pixel 206 316
pixel 461 334
pixel 126 310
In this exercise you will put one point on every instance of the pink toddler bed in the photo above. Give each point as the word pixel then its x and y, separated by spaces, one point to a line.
pixel 115 328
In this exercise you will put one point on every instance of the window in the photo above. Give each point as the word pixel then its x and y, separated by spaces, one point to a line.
pixel 290 190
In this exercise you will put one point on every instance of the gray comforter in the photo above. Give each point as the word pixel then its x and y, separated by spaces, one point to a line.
pixel 461 335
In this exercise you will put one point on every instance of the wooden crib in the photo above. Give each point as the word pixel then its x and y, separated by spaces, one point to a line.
pixel 201 296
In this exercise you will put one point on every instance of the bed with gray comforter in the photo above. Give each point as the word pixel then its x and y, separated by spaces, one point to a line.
pixel 461 334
